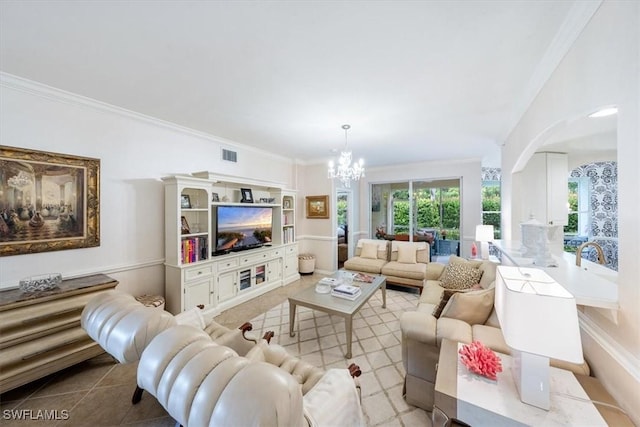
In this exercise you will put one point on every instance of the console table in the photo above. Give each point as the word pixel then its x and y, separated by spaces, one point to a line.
pixel 479 401
pixel 40 332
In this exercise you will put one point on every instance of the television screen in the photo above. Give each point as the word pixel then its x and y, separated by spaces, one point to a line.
pixel 241 227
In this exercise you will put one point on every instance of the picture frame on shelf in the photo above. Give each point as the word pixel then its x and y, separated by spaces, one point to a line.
pixel 50 201
pixel 318 207
pixel 214 197
pixel 185 201
pixel 287 204
pixel 185 229
pixel 247 195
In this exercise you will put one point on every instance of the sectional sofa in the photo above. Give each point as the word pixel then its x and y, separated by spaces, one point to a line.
pixel 403 263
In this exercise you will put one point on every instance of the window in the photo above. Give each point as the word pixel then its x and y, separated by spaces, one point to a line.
pixel 491 207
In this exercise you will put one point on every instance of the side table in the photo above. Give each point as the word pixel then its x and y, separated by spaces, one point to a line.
pixel 477 400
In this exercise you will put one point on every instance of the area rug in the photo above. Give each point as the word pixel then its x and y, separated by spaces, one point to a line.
pixel 320 339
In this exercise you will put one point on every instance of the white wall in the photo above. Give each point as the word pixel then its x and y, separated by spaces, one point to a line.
pixel 600 69
pixel 470 172
pixel 135 152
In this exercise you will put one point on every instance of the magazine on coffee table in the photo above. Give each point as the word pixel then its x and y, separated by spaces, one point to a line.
pixel 361 277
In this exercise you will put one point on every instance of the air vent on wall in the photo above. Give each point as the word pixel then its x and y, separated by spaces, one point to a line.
pixel 229 156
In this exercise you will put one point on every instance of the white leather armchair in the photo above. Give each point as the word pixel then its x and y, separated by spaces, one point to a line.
pixel 201 383
pixel 124 328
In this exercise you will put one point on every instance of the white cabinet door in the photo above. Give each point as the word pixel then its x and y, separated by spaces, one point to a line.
pixel 557 189
pixel 274 270
pixel 227 285
pixel 197 292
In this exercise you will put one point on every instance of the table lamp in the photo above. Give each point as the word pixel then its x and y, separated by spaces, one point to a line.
pixel 539 321
pixel 484 235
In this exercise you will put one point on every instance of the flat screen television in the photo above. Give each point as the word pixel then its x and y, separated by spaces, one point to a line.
pixel 242 227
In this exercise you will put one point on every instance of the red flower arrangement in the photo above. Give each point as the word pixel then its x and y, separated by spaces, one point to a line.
pixel 480 360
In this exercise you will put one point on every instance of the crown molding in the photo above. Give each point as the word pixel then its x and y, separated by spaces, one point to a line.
pixel 50 93
pixel 576 20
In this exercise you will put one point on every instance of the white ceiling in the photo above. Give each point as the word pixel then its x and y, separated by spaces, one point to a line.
pixel 417 81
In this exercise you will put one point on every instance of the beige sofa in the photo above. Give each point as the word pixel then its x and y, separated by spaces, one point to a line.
pixel 466 317
pixel 403 263
pixel 370 256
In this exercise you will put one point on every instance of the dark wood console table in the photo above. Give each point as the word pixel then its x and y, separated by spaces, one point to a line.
pixel 40 332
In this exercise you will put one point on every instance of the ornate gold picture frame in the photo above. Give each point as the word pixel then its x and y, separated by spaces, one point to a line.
pixel 48 201
pixel 318 207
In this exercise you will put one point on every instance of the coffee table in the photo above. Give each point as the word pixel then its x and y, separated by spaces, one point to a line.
pixel 337 306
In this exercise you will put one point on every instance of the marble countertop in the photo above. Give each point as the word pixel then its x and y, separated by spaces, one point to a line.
pixel 590 284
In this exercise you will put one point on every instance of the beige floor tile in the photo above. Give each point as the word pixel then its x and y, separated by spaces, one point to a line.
pixel 377 409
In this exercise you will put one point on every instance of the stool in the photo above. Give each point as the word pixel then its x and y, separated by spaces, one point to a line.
pixel 151 301
pixel 306 263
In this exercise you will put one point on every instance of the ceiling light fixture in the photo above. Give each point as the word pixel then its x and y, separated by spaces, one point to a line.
pixel 604 112
pixel 346 172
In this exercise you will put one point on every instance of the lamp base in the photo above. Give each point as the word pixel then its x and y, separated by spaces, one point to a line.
pixel 531 375
pixel 484 250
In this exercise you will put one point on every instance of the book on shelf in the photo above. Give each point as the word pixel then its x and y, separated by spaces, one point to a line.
pixel 347 289
pixel 350 297
pixel 193 249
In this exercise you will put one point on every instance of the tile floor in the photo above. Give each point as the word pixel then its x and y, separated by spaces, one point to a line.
pixel 98 392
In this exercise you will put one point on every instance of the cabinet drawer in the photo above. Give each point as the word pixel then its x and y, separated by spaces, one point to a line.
pixel 227 264
pixel 42 313
pixel 254 258
pixel 292 250
pixel 197 273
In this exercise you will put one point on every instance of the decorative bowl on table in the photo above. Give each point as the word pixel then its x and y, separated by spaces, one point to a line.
pixel 44 282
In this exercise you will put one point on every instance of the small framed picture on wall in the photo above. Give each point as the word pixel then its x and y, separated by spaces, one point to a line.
pixel 318 207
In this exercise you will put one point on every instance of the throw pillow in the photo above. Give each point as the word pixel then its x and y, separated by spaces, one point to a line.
pixel 460 276
pixel 407 254
pixel 444 299
pixel 472 307
pixel 369 250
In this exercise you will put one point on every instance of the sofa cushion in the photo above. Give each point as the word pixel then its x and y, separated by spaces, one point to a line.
pixel 382 247
pixel 472 307
pixel 364 265
pixel 415 271
pixel 460 276
pixel 369 250
pixel 406 254
pixel 431 292
pixel 488 278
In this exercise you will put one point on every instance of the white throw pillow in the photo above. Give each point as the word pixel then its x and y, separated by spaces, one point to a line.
pixel 407 254
pixel 369 250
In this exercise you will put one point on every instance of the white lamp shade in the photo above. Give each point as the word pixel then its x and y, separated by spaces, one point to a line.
pixel 484 233
pixel 537 315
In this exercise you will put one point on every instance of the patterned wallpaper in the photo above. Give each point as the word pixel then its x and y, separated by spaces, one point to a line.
pixel 603 208
pixel 491 174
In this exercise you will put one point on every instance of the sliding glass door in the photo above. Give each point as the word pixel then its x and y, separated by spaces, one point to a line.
pixel 418 211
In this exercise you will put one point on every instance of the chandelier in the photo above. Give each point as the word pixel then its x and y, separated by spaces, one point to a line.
pixel 346 172
pixel 22 179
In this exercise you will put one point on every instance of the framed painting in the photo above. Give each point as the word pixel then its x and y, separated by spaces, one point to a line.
pixel 318 207
pixel 48 201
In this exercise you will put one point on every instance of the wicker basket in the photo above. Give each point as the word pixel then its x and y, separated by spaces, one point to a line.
pixel 306 263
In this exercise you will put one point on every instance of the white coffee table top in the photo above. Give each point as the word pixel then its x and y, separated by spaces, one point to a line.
pixel 481 401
